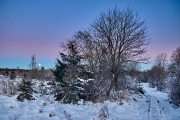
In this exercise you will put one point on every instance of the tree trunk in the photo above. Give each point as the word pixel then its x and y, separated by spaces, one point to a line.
pixel 116 82
pixel 111 86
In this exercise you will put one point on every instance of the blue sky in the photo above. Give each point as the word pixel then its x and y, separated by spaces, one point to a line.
pixel 39 26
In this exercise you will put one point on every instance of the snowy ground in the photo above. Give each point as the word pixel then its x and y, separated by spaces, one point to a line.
pixel 160 108
pixel 137 107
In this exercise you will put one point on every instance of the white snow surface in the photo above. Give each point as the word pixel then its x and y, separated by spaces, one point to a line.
pixel 154 113
pixel 135 107
pixel 160 108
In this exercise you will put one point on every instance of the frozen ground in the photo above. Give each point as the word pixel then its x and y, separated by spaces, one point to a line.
pixel 153 106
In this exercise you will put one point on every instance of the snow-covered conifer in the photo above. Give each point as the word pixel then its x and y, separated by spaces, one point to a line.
pixel 25 89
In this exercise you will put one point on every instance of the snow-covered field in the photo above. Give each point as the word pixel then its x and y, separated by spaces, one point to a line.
pixel 152 106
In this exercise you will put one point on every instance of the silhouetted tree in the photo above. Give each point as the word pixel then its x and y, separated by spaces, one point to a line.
pixel 34 73
pixel 33 64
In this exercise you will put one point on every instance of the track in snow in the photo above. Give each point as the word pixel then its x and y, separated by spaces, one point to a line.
pixel 154 112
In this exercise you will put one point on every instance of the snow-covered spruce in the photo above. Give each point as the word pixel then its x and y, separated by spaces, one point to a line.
pixel 25 89
pixel 68 91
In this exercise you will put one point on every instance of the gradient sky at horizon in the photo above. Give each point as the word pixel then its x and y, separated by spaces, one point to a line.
pixel 37 27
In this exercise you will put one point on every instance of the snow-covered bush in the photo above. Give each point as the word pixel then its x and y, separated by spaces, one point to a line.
pixel 8 87
pixel 175 91
pixel 4 87
pixel 118 95
pixel 12 87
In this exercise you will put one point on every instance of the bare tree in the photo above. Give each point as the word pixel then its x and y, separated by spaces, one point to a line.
pixel 33 64
pixel 154 76
pixel 161 70
pixel 116 38
pixel 161 60
pixel 33 73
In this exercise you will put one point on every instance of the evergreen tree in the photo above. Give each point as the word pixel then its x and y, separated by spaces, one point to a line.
pixel 59 70
pixel 67 92
pixel 25 89
pixel 67 73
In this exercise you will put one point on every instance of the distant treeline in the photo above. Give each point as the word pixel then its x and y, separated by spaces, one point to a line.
pixel 13 69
